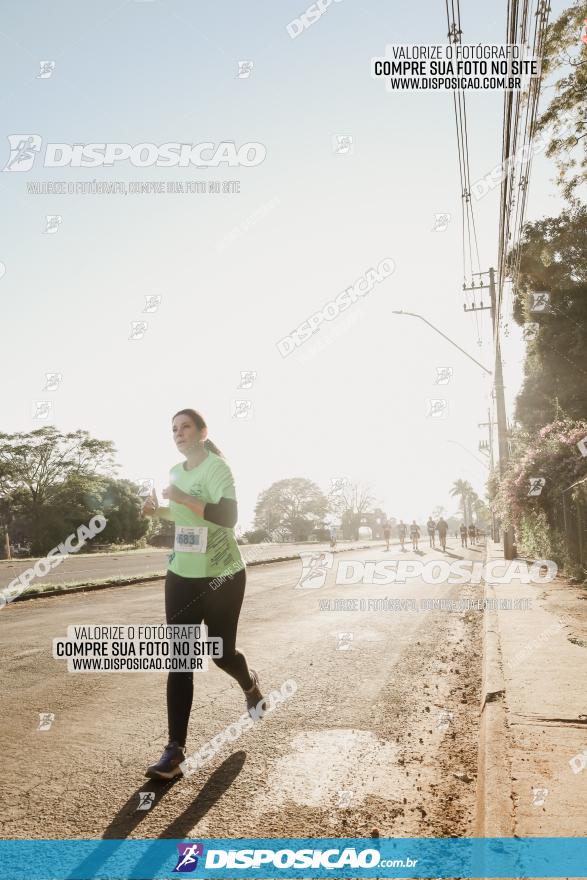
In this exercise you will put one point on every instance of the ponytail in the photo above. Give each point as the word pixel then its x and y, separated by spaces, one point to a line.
pixel 208 444
pixel 200 424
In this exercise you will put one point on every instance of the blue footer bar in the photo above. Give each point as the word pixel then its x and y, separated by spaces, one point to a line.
pixel 293 857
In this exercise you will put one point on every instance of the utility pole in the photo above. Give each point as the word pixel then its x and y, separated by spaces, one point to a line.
pixel 502 429
pixel 489 425
pixel 474 287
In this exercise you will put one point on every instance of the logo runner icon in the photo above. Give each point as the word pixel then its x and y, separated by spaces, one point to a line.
pixel 314 570
pixel 23 148
pixel 187 860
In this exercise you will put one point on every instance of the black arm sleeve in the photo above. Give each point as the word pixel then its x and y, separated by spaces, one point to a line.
pixel 223 514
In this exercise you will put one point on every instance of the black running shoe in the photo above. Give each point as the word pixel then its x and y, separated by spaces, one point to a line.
pixel 254 696
pixel 167 767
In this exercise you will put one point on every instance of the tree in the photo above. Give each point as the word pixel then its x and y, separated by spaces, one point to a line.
pixel 53 481
pixel 351 501
pixel 553 258
pixel 464 491
pixel 482 513
pixel 256 536
pixel 121 506
pixel 290 508
pixel 567 144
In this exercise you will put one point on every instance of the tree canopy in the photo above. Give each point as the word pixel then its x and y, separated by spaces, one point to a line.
pixel 52 482
pixel 291 508
pixel 567 144
pixel 553 258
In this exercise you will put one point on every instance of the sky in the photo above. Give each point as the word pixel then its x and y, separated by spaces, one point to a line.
pixel 238 271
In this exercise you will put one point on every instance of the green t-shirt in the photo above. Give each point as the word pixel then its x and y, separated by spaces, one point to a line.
pixel 201 548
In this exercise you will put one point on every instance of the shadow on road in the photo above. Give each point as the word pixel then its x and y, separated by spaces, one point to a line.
pixel 128 817
pixel 219 782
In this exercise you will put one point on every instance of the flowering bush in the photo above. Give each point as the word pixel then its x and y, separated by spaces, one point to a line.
pixel 551 454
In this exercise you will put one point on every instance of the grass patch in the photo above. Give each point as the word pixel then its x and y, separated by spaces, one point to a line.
pixel 80 586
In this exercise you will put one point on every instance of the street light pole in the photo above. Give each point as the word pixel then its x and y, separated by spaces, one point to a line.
pixel 452 342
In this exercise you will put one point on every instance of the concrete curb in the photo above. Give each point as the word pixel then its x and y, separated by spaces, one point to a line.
pixel 494 797
pixel 90 555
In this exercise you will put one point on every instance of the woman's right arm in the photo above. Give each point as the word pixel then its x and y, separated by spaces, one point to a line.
pixel 151 508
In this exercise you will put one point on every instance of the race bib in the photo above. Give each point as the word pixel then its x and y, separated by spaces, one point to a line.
pixel 190 539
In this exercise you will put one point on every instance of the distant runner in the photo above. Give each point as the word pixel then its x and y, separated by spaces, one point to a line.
pixel 472 534
pixel 402 533
pixel 431 527
pixel 386 534
pixel 332 537
pixel 463 531
pixel 414 534
pixel 442 527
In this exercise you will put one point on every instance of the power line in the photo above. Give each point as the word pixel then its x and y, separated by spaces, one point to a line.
pixel 469 244
pixel 540 27
pixel 511 225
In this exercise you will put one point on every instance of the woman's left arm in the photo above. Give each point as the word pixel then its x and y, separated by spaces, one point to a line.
pixel 224 513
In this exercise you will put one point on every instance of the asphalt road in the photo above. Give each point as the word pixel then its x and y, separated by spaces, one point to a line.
pixel 360 746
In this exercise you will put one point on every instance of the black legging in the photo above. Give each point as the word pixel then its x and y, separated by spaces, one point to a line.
pixel 192 600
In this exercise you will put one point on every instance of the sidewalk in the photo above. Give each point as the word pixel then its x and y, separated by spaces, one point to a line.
pixel 532 779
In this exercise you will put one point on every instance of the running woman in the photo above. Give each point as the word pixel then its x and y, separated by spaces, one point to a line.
pixel 463 531
pixel 472 534
pixel 386 534
pixel 402 532
pixel 431 526
pixel 414 534
pixel 206 576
